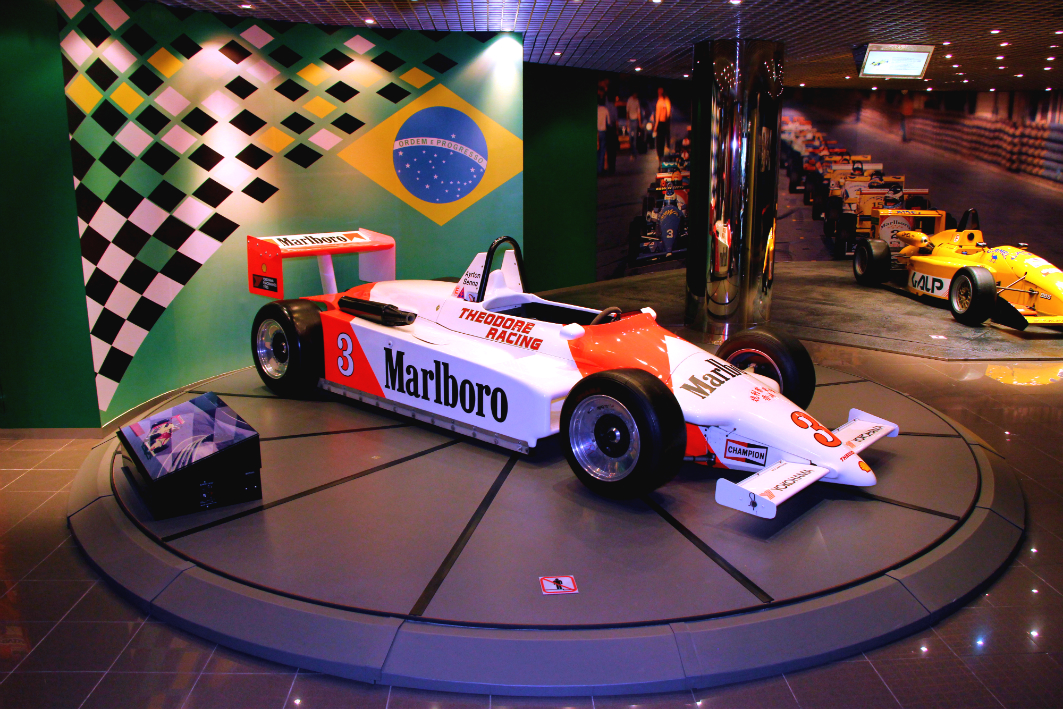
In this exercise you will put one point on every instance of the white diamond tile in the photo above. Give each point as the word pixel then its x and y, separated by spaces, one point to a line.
pixel 162 290
pixel 227 139
pixel 119 56
pixel 199 247
pixel 192 212
pixel 359 44
pixel 129 338
pixel 114 262
pixel 220 105
pixel 257 36
pixel 107 221
pixel 134 138
pixel 148 216
pixel 364 73
pixel 172 101
pixel 105 389
pixel 94 312
pixel 325 139
pixel 99 349
pixel 231 173
pixel 112 14
pixel 179 139
pixel 70 7
pixel 76 48
pixel 82 226
pixel 87 269
pixel 263 71
pixel 122 300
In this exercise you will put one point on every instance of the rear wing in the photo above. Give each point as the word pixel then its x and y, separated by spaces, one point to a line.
pixel 266 254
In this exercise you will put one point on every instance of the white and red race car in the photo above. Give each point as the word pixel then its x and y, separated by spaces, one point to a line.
pixel 484 359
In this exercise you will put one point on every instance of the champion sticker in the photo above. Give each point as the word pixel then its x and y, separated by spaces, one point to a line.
pixel 746 452
pixel 553 585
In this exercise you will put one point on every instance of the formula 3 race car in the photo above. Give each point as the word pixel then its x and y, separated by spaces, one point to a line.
pixel 1007 283
pixel 630 400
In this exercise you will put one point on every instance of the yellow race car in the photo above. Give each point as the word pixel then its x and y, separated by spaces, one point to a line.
pixel 1006 283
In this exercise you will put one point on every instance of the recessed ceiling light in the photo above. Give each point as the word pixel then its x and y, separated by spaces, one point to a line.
pixel 686 76
pixel 1051 59
pixel 735 2
pixel 874 88
pixel 247 7
pixel 557 54
pixel 955 66
pixel 929 88
pixel 946 43
pixel 994 31
pixel 848 77
pixel 638 68
pixel 1001 56
pixel 632 61
pixel 1001 67
pixel 965 81
pixel 1019 75
pixel 370 21
pixel 1048 68
pixel 1059 31
pixel 1048 89
pixel 800 84
pixel 656 2
pixel 992 89
pixel 1004 44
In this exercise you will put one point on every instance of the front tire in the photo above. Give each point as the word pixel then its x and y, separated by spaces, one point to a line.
pixel 287 346
pixel 776 355
pixel 972 295
pixel 623 432
pixel 871 262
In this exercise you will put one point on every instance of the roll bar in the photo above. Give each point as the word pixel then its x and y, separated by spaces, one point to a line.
pixel 490 257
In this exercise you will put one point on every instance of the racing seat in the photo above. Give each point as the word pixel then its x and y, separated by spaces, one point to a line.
pixel 969 220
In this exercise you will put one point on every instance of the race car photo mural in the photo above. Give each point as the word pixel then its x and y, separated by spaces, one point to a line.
pixel 630 400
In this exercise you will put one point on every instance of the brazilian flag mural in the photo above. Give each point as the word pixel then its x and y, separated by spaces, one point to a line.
pixel 190 131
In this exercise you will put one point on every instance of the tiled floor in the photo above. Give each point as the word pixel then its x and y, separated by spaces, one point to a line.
pixel 67 640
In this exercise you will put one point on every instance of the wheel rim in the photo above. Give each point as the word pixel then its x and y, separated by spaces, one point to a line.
pixel 271 348
pixel 761 363
pixel 963 295
pixel 604 438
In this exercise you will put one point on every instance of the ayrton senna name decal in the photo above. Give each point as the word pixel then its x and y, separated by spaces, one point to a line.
pixel 439 385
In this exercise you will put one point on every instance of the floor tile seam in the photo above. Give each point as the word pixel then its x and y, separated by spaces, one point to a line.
pixel 46 558
pixel 28 515
pixel 52 629
pixel 387 702
pixel 111 666
pixel 14 480
pixel 884 682
pixel 792 692
pixel 199 675
pixel 287 696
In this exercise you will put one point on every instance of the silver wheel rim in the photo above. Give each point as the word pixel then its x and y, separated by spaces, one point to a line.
pixel 586 433
pixel 268 358
pixel 761 363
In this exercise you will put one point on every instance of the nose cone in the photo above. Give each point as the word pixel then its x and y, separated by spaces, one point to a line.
pixel 852 470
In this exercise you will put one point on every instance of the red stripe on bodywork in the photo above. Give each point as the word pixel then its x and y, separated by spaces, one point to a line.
pixel 333 324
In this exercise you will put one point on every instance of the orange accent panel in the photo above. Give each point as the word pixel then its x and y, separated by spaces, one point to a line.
pixel 265 275
pixel 335 324
pixel 632 342
pixel 696 443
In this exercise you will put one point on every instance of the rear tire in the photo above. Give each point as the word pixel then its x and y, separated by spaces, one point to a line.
pixel 972 295
pixel 774 354
pixel 287 346
pixel 623 432
pixel 871 262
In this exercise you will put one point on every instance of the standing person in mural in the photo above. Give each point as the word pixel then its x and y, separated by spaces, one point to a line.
pixel 662 122
pixel 634 122
pixel 907 109
pixel 603 126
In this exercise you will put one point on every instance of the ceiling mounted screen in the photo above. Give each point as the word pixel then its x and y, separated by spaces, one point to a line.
pixel 896 61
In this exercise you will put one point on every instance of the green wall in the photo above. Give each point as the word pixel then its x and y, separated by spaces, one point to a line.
pixel 46 375
pixel 560 182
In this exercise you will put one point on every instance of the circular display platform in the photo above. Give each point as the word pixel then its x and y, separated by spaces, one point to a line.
pixel 388 551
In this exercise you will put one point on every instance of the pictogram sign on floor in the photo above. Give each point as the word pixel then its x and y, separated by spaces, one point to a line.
pixel 558 584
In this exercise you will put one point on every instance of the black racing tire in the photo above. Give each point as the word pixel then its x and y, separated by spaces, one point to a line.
pixel 287 346
pixel 598 422
pixel 972 295
pixel 872 262
pixel 777 355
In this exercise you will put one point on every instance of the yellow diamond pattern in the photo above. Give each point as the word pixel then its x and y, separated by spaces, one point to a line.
pixel 126 97
pixel 416 77
pixel 319 107
pixel 83 93
pixel 275 140
pixel 166 63
pixel 314 74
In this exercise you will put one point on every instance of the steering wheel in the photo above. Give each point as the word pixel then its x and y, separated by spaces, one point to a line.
pixel 610 313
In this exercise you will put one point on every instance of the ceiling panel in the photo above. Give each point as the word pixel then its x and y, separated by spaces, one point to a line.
pixel 619 35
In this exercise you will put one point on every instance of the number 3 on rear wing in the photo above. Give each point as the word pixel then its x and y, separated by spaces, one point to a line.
pixel 265 258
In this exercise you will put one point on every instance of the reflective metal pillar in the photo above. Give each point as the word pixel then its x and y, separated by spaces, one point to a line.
pixel 734 172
